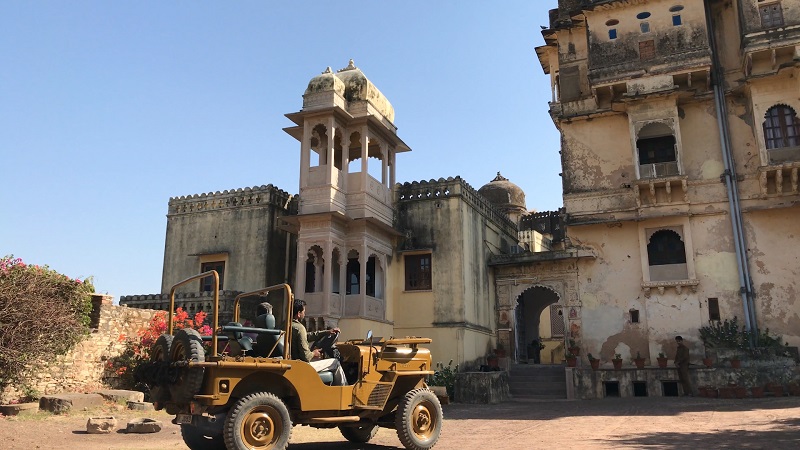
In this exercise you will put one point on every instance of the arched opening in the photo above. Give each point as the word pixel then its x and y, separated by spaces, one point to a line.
pixel 319 144
pixel 374 277
pixel 314 270
pixel 336 270
pixel 354 153
pixel 353 273
pixel 540 327
pixel 666 254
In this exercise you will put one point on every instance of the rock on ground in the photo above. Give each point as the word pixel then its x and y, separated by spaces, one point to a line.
pixel 101 425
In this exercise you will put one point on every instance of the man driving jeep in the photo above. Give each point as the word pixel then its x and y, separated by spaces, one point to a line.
pixel 301 350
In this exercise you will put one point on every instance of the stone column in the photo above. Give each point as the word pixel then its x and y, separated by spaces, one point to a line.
pixel 327 274
pixel 305 155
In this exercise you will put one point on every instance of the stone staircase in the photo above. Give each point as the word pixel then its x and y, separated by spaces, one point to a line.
pixel 537 382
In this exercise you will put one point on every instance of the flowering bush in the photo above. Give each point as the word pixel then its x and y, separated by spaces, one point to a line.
pixel 137 348
pixel 42 314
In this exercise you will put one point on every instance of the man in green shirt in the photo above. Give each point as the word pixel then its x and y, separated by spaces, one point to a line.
pixel 682 363
pixel 301 350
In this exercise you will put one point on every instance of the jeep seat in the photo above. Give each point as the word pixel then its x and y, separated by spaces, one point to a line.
pixel 265 341
pixel 238 342
pixel 326 376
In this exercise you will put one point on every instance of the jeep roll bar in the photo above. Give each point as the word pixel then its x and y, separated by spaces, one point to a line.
pixel 216 328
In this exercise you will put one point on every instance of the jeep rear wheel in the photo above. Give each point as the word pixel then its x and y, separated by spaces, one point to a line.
pixel 359 435
pixel 196 440
pixel 259 421
pixel 187 346
pixel 419 420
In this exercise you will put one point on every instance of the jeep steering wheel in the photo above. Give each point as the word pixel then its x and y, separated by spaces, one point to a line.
pixel 326 344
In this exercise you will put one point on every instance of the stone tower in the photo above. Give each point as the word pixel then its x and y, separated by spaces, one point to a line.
pixel 348 146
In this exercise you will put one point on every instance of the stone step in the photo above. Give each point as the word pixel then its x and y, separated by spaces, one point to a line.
pixel 529 378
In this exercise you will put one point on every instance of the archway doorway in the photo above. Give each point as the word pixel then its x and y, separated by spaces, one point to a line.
pixel 540 326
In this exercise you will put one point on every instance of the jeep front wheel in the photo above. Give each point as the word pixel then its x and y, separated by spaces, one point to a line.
pixel 419 420
pixel 259 421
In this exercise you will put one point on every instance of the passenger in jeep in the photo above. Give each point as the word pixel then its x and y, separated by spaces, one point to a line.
pixel 301 350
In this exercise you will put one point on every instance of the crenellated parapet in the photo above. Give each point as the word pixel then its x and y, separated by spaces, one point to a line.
pixel 450 188
pixel 191 302
pixel 268 195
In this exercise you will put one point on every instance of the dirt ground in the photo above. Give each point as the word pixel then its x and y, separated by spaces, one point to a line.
pixel 652 423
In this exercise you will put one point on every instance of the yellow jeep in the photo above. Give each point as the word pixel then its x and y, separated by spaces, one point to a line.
pixel 250 395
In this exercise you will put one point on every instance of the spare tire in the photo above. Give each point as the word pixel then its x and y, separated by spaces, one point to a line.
pixel 160 353
pixel 187 346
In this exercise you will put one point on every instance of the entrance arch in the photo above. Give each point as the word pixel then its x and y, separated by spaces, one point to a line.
pixel 532 327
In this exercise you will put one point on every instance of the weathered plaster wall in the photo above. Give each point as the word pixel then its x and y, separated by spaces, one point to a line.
pixel 449 219
pixel 240 224
pixel 597 154
pixel 773 239
pixel 752 18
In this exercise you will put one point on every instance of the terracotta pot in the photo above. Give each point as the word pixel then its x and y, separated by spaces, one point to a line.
pixel 702 391
pixel 500 353
pixel 493 362
pixel 575 351
pixel 726 392
pixel 617 363
pixel 740 391
pixel 757 392
pixel 736 364
pixel 639 363
pixel 595 364
pixel 776 390
pixel 794 389
pixel 708 362
pixel 572 362
pixel 712 392
pixel 662 363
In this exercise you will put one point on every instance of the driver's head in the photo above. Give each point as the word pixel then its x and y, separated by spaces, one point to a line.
pixel 298 309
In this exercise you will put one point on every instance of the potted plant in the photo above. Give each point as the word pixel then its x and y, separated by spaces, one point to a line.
pixel 572 360
pixel 794 388
pixel 757 391
pixel 662 360
pixel 500 351
pixel 573 348
pixel 639 361
pixel 708 362
pixel 735 362
pixel 617 361
pixel 776 389
pixel 594 362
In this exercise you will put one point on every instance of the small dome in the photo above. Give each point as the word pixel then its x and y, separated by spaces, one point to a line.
pixel 503 194
pixel 359 88
pixel 327 81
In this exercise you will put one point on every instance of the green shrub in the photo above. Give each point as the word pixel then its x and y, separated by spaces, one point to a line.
pixel 42 314
pixel 444 376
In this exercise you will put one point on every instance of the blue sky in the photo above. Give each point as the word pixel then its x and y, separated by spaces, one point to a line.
pixel 108 109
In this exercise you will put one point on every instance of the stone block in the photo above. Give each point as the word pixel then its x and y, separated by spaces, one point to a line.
pixel 121 395
pixel 143 426
pixel 13 410
pixel 101 425
pixel 481 387
pixel 141 406
pixel 62 403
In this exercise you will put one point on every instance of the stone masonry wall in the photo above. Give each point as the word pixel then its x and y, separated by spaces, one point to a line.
pixel 83 367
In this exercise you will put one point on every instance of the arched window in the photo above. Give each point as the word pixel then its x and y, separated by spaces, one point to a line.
pixel 353 273
pixel 666 247
pixel 781 127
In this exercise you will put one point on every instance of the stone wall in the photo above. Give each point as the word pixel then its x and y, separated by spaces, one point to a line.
pixel 83 367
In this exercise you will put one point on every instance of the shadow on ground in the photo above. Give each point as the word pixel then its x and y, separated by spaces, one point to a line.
pixel 785 435
pixel 647 406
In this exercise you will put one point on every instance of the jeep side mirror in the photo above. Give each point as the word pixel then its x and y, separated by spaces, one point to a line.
pixel 369 337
